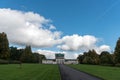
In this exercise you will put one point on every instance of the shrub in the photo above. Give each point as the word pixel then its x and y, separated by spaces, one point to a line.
pixel 117 65
pixel 14 62
pixel 3 61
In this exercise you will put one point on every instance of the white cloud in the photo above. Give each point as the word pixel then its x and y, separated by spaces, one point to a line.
pixel 83 43
pixel 51 54
pixel 27 28
pixel 71 55
pixel 102 48
pixel 76 42
pixel 52 27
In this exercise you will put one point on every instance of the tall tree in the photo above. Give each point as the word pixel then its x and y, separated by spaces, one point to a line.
pixel 15 53
pixel 38 57
pixel 80 58
pixel 117 51
pixel 90 57
pixel 106 58
pixel 4 46
pixel 27 55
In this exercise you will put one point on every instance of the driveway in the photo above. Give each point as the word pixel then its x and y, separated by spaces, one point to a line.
pixel 68 73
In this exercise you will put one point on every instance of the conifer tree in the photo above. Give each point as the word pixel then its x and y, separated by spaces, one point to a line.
pixel 4 46
pixel 27 55
pixel 117 52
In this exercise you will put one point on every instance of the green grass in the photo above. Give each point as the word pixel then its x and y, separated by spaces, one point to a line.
pixel 29 72
pixel 104 72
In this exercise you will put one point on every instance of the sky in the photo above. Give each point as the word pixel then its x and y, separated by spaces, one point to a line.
pixel 68 26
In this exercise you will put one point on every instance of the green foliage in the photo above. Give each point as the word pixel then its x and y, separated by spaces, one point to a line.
pixel 29 72
pixel 15 54
pixel 27 55
pixel 88 60
pixel 117 65
pixel 117 52
pixel 106 58
pixel 4 46
pixel 4 61
pixel 90 57
pixel 14 62
pixel 37 58
pixel 80 59
pixel 104 72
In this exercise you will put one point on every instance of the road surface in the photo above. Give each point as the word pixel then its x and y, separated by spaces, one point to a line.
pixel 68 73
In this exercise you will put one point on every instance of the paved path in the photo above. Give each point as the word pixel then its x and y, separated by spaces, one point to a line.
pixel 68 73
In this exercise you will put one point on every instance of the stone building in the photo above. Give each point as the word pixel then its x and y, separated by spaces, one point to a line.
pixel 59 59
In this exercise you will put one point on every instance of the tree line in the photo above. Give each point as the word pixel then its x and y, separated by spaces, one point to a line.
pixel 13 54
pixel 104 58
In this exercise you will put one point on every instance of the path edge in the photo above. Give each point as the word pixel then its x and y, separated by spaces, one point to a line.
pixel 61 78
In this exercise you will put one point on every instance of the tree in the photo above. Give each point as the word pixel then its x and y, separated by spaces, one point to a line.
pixel 95 57
pixel 90 57
pixel 88 60
pixel 117 51
pixel 80 58
pixel 38 57
pixel 15 53
pixel 4 46
pixel 12 53
pixel 106 58
pixel 27 55
pixel 42 57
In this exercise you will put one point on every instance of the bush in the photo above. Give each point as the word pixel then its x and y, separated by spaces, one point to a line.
pixel 14 62
pixel 107 64
pixel 9 62
pixel 3 61
pixel 117 65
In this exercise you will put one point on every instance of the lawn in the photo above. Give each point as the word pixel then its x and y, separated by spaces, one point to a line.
pixel 29 72
pixel 105 72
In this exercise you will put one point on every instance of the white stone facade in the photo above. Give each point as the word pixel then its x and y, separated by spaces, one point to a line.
pixel 48 61
pixel 71 61
pixel 60 60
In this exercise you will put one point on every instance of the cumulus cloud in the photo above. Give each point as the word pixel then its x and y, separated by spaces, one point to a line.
pixel 102 48
pixel 76 42
pixel 27 28
pixel 51 54
pixel 84 43
pixel 71 55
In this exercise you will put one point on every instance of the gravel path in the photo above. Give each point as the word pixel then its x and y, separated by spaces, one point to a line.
pixel 68 73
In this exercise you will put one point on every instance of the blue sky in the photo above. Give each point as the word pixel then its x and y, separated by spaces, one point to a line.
pixel 99 18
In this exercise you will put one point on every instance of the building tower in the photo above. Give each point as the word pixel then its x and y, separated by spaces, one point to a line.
pixel 59 58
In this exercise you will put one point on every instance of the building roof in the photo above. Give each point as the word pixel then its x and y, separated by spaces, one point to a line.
pixel 59 55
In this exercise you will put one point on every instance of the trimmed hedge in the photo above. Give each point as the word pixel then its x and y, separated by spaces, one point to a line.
pixel 118 65
pixel 9 62
pixel 107 64
pixel 14 62
pixel 3 61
